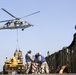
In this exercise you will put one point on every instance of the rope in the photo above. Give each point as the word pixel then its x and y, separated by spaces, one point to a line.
pixel 17 46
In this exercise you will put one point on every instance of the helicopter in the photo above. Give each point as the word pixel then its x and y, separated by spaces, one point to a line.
pixel 16 23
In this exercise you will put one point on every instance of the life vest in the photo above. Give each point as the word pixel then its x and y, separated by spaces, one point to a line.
pixel 27 58
pixel 36 59
pixel 42 59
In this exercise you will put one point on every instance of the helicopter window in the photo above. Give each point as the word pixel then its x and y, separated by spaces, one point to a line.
pixel 15 23
pixel 7 23
pixel 21 22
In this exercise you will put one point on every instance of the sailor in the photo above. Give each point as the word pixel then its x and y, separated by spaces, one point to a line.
pixel 35 64
pixel 20 56
pixel 16 53
pixel 29 58
pixel 44 65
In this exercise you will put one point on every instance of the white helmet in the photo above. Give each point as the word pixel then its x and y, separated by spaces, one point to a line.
pixel 39 53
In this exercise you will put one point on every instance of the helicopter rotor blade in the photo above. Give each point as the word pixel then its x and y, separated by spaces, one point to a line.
pixel 30 14
pixel 16 17
pixel 8 13
pixel 7 20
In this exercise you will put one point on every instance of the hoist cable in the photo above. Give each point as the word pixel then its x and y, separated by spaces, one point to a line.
pixel 17 47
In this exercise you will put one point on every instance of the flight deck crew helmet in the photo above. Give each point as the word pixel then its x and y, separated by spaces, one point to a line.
pixel 39 54
pixel 29 51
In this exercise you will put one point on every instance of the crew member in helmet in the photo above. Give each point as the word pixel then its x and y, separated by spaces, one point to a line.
pixel 35 64
pixel 29 58
pixel 44 65
pixel 20 56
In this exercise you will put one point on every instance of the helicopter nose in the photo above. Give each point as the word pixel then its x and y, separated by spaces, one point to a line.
pixel 31 25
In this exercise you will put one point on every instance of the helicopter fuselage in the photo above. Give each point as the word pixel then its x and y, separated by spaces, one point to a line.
pixel 15 24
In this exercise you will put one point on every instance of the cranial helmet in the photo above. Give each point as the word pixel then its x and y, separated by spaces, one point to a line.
pixel 39 53
pixel 29 51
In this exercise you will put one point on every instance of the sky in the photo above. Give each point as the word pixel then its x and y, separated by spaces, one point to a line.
pixel 53 26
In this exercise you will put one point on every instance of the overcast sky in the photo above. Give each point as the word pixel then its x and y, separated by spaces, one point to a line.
pixel 53 26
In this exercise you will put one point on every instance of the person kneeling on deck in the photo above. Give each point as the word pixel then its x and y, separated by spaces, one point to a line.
pixel 44 65
pixel 35 65
pixel 29 60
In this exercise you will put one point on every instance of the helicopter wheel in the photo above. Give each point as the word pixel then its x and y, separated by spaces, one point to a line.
pixel 22 29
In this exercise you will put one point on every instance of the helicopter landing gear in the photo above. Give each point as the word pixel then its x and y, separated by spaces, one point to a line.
pixel 22 29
